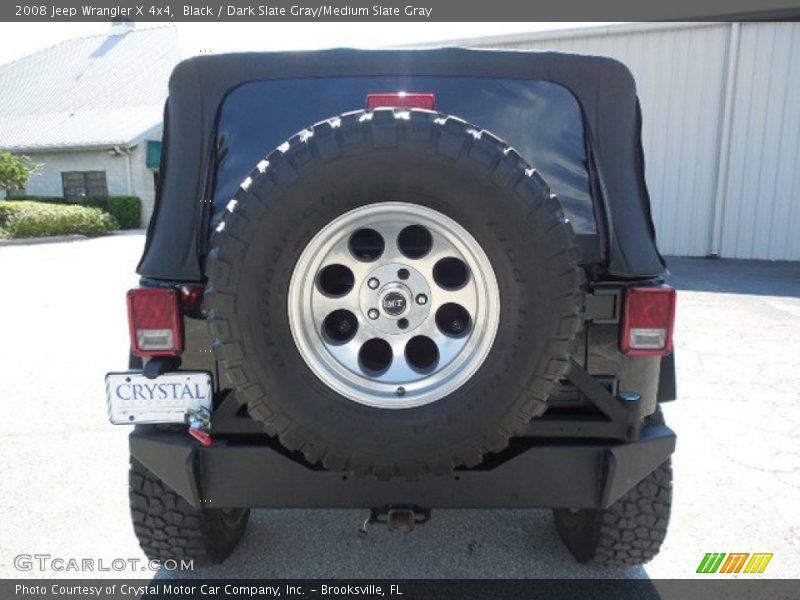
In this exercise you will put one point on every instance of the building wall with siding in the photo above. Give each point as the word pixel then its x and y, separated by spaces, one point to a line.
pixel 703 137
pixel 47 181
pixel 761 217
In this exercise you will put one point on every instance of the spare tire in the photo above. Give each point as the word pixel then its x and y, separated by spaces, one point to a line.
pixel 394 293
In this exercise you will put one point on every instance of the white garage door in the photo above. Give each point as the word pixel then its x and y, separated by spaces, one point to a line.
pixel 682 78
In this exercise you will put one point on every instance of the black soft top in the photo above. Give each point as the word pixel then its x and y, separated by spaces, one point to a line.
pixel 604 88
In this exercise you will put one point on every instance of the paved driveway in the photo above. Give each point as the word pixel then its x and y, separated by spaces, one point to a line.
pixel 63 468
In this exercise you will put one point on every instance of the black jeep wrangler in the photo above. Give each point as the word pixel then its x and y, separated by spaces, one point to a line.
pixel 400 280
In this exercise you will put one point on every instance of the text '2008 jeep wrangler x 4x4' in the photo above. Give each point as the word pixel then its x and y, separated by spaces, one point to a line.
pixel 400 280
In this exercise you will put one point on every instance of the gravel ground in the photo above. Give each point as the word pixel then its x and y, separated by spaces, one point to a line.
pixel 63 472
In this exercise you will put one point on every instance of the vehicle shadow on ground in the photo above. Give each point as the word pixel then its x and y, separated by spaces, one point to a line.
pixel 757 277
pixel 455 544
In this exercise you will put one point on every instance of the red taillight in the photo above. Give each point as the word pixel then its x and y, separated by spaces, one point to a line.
pixel 648 318
pixel 401 100
pixel 154 317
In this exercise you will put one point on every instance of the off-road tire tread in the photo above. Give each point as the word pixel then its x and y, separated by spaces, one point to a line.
pixel 631 530
pixel 168 527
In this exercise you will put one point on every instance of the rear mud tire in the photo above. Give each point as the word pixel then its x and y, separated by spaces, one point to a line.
pixel 630 531
pixel 169 528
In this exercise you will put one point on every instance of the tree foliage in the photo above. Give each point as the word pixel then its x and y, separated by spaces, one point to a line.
pixel 14 171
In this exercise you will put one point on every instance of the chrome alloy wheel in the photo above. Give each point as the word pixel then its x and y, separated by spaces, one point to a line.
pixel 393 305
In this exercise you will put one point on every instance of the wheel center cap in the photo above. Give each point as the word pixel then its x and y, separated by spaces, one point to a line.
pixel 388 299
pixel 394 303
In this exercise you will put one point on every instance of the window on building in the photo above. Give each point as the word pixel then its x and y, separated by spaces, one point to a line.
pixel 79 184
pixel 153 158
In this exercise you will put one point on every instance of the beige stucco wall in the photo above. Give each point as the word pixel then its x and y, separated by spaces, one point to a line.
pixel 47 182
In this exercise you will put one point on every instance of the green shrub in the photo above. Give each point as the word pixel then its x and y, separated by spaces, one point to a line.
pixel 127 210
pixel 35 219
pixel 46 199
pixel 95 202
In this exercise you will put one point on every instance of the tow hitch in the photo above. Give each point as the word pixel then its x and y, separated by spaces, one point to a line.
pixel 399 519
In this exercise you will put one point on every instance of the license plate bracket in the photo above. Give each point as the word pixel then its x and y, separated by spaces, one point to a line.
pixel 133 398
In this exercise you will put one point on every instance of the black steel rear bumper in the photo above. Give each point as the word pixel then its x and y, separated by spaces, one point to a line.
pixel 534 474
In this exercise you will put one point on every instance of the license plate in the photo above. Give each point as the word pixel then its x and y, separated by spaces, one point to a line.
pixel 133 398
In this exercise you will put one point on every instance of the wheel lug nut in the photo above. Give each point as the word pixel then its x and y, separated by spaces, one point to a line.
pixel 457 326
pixel 373 284
pixel 373 314
pixel 422 299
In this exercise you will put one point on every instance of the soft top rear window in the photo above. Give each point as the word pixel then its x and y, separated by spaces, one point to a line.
pixel 541 120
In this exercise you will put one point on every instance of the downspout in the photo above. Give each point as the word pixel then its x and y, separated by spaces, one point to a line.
pixel 725 141
pixel 128 165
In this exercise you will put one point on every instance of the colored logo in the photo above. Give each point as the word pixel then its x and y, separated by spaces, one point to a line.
pixel 737 562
